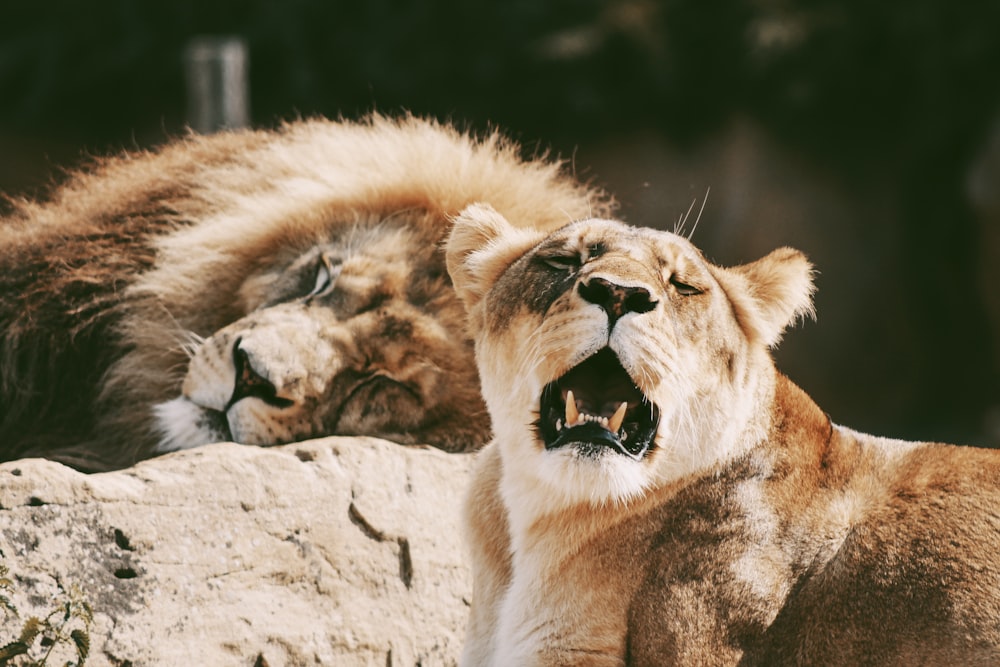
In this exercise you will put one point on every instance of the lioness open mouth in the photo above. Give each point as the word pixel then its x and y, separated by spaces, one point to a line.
pixel 596 405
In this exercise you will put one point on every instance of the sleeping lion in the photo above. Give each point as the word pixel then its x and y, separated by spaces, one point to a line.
pixel 255 286
pixel 656 493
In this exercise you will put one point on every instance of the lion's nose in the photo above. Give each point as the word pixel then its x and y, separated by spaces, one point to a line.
pixel 616 300
pixel 249 383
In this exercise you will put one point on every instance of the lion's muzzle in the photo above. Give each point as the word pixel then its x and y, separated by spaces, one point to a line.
pixel 250 384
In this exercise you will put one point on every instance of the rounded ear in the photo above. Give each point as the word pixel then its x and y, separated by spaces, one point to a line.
pixel 480 246
pixel 771 293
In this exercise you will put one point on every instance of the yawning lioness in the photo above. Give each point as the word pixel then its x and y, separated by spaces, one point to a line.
pixel 656 493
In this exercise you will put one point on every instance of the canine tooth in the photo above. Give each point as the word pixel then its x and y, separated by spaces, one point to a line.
pixel 616 420
pixel 572 414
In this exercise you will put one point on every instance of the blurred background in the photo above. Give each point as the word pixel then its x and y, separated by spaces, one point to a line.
pixel 864 132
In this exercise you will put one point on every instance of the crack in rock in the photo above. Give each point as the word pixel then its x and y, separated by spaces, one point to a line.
pixel 370 531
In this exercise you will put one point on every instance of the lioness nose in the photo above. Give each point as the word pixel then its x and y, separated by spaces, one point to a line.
pixel 616 300
pixel 249 383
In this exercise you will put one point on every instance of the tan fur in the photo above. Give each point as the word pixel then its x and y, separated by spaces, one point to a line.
pixel 314 249
pixel 753 531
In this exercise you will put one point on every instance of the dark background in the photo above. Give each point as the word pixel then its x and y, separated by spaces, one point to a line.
pixel 862 131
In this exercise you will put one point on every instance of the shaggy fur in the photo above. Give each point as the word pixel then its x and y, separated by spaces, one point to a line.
pixel 656 493
pixel 257 286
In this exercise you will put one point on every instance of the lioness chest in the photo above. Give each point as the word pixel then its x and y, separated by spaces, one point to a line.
pixel 706 565
pixel 856 560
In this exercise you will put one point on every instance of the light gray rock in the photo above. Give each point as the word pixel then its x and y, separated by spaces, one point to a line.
pixel 340 551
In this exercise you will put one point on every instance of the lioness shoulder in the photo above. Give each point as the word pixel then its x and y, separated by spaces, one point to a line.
pixel 657 493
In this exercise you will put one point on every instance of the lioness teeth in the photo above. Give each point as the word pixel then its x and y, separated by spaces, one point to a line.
pixel 572 414
pixel 616 420
pixel 574 417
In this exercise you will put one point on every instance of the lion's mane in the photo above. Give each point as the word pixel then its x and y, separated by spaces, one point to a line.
pixel 108 282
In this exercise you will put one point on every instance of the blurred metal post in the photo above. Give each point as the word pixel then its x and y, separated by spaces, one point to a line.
pixel 217 83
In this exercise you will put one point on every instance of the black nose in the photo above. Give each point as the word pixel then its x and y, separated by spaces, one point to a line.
pixel 249 383
pixel 616 300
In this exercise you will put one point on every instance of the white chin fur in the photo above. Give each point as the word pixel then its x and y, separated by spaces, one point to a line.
pixel 612 478
pixel 181 424
pixel 566 478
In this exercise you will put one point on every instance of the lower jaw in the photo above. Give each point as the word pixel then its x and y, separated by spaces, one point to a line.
pixel 593 440
pixel 585 434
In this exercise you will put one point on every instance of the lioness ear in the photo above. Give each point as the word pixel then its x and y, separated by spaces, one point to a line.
pixel 481 245
pixel 771 293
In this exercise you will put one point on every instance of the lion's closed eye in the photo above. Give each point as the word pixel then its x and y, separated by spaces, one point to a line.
pixel 562 262
pixel 683 288
pixel 327 270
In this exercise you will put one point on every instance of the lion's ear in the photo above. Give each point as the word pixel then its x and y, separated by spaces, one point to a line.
pixel 771 293
pixel 481 245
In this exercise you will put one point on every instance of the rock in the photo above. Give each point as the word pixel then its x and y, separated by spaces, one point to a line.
pixel 339 551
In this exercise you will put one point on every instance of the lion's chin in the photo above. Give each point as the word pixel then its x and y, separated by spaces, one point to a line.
pixel 183 424
pixel 597 408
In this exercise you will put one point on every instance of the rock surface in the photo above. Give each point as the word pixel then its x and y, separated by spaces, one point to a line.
pixel 340 551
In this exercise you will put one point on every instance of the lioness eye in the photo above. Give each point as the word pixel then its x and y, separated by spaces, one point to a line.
pixel 563 262
pixel 326 273
pixel 683 288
